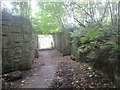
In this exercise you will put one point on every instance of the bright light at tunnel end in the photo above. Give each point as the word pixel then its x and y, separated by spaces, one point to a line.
pixel 45 42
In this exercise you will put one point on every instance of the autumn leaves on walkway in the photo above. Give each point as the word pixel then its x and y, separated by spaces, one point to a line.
pixel 52 70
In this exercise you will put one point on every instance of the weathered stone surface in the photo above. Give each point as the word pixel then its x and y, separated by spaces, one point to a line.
pixel 19 45
pixel 0 47
pixel 63 41
pixel 13 76
pixel 72 57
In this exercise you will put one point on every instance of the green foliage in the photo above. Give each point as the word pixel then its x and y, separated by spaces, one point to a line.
pixel 21 9
pixel 95 34
pixel 84 48
pixel 96 39
pixel 46 21
pixel 84 39
pixel 74 41
pixel 113 45
pixel 46 24
pixel 107 21
pixel 92 35
pixel 75 33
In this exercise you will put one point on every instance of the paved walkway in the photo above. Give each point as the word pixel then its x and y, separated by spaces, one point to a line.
pixel 43 76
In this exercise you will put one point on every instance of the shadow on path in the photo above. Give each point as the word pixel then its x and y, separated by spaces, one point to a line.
pixel 42 72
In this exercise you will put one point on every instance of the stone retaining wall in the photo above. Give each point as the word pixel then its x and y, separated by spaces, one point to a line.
pixel 62 41
pixel 99 58
pixel 18 43
pixel 0 42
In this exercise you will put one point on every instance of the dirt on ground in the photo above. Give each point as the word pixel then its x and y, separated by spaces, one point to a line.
pixel 52 70
pixel 72 74
pixel 41 73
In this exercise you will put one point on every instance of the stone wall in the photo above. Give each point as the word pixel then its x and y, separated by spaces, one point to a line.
pixel 57 41
pixel 99 58
pixel 18 43
pixel 0 47
pixel 62 41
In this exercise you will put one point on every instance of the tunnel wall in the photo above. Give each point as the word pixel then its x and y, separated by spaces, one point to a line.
pixel 62 41
pixel 18 43
pixel 98 58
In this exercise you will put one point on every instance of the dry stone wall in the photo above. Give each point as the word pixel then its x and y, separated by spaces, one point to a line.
pixel 0 47
pixel 0 42
pixel 62 41
pixel 18 43
pixel 99 58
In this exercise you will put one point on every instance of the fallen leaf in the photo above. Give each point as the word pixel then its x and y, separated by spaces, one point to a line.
pixel 58 77
pixel 90 75
pixel 60 80
pixel 95 75
pixel 11 83
pixel 22 81
pixel 90 86
pixel 35 74
pixel 46 79
pixel 26 82
pixel 76 81
pixel 89 68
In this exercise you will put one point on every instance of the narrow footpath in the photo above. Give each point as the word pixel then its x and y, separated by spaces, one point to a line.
pixel 52 70
pixel 43 77
pixel 41 73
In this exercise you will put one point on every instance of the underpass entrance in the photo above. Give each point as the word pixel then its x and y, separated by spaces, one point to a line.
pixel 45 42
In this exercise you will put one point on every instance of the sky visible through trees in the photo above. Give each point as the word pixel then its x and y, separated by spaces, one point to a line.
pixel 95 27
pixel 56 16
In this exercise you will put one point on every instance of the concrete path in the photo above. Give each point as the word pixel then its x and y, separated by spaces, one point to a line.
pixel 65 72
pixel 43 76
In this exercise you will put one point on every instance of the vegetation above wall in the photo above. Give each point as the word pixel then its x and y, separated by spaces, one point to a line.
pixel 98 42
pixel 95 29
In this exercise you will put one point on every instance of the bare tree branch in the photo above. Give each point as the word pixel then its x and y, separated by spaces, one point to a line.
pixel 58 17
pixel 110 11
pixel 87 14
pixel 103 16
pixel 80 23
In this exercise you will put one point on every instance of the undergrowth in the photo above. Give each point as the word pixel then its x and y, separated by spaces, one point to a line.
pixel 99 47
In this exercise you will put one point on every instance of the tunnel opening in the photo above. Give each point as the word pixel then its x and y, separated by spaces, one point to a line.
pixel 45 42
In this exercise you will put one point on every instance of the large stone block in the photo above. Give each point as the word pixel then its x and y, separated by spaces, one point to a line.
pixel 6 22
pixel 13 76
pixel 7 67
pixel 27 37
pixel 4 42
pixel 16 29
pixel 24 65
pixel 17 50
pixel 5 30
pixel 17 60
pixel 25 56
pixel 26 50
pixel 18 39
pixel 17 44
pixel 6 16
pixel 4 53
